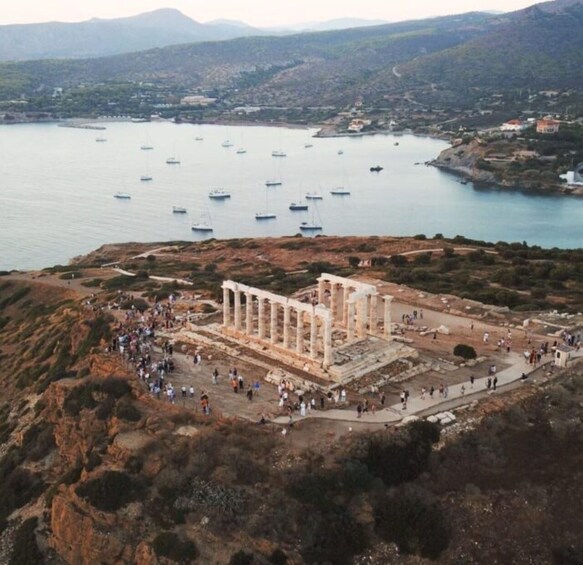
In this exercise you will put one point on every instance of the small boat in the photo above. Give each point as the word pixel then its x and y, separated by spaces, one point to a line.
pixel 146 148
pixel 145 178
pixel 172 161
pixel 340 192
pixel 278 154
pixel 219 194
pixel 314 196
pixel 227 143
pixel 100 139
pixel 464 181
pixel 376 169
pixel 202 227
pixel 122 195
pixel 340 152
pixel 179 210
pixel 273 183
pixel 298 206
pixel 241 151
pixel 308 145
pixel 396 143
pixel 309 226
pixel 199 139
pixel 265 216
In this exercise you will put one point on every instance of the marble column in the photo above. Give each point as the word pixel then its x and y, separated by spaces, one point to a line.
pixel 261 317
pixel 248 313
pixel 361 316
pixel 327 343
pixel 273 334
pixel 388 321
pixel 314 337
pixel 286 325
pixel 334 301
pixel 374 314
pixel 346 293
pixel 321 290
pixel 300 333
pixel 226 307
pixel 238 310
pixel 351 309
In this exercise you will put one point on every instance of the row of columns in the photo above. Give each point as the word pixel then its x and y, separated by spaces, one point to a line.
pixel 320 322
pixel 358 304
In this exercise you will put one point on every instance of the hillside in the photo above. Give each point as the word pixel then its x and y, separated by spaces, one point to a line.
pixel 314 68
pixel 539 48
pixel 95 469
pixel 99 37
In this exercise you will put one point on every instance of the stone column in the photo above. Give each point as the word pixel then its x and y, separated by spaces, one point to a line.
pixel 334 301
pixel 226 307
pixel 314 337
pixel 261 317
pixel 388 300
pixel 350 307
pixel 346 291
pixel 300 333
pixel 237 310
pixel 273 335
pixel 374 314
pixel 362 316
pixel 248 313
pixel 321 290
pixel 286 325
pixel 327 343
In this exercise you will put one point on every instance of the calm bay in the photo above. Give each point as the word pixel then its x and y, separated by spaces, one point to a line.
pixel 57 188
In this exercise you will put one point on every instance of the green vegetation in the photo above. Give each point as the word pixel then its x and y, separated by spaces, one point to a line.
pixel 168 544
pixel 25 549
pixel 110 491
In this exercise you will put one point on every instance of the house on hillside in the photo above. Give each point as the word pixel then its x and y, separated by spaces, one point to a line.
pixel 513 125
pixel 547 126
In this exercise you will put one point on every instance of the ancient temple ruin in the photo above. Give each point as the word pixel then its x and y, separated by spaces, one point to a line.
pixel 340 330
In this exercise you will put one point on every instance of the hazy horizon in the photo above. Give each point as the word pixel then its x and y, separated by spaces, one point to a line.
pixel 259 13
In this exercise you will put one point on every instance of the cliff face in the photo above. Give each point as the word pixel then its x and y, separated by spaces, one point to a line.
pixel 463 159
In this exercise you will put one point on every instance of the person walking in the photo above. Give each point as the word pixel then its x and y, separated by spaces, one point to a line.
pixel 494 383
pixel 472 381
pixel 489 383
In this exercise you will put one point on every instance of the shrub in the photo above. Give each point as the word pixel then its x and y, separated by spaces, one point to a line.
pixel 127 411
pixel 398 260
pixel 19 488
pixel 241 558
pixel 110 491
pixel 414 521
pixel 278 557
pixel 25 549
pixel 353 261
pixel 464 351
pixel 168 544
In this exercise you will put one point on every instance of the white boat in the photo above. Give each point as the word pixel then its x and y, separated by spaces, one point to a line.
pixel 241 151
pixel 100 139
pixel 146 148
pixel 313 225
pixel 273 183
pixel 172 161
pixel 199 139
pixel 265 216
pixel 278 154
pixel 202 227
pixel 122 195
pixel 219 194
pixel 298 206
pixel 145 178
pixel 227 143
pixel 179 210
pixel 340 192
pixel 314 196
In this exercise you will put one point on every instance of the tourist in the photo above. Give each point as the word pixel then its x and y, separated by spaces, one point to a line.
pixel 183 389
pixel 489 383
pixel 445 391
pixel 359 409
pixel 321 402
pixel 403 397
pixel 486 337
pixel 463 390
pixel 303 409
pixel 234 385
pixel 313 403
pixel 423 391
pixel 431 391
pixel 191 391
pixel 441 387
pixel 249 394
pixel 256 388
pixel 494 383
pixel 421 314
pixel 240 381
pixel 343 394
pixel 373 408
pixel 472 381
pixel 215 378
pixel 383 398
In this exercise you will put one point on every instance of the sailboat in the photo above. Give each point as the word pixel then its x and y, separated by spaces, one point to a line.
pixel 172 161
pixel 340 191
pixel 146 147
pixel 227 143
pixel 313 225
pixel 273 183
pixel 219 194
pixel 179 210
pixel 241 151
pixel 265 215
pixel 314 196
pixel 145 178
pixel 122 196
pixel 298 206
pixel 204 224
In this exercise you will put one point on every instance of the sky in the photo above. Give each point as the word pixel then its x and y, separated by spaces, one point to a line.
pixel 260 13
